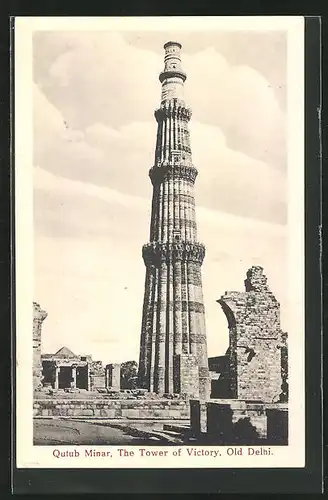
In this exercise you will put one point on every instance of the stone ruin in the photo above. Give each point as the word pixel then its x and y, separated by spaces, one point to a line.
pixel 113 376
pixel 250 401
pixel 38 317
pixel 251 406
pixel 66 370
pixel 258 357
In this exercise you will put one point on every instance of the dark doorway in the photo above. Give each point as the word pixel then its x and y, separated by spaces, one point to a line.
pixel 65 377
pixel 82 377
pixel 49 373
pixel 220 388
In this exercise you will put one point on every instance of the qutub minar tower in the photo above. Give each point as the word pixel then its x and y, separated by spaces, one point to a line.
pixel 173 348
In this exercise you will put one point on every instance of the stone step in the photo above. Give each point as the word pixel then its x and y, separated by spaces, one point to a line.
pixel 145 433
pixel 178 429
pixel 171 433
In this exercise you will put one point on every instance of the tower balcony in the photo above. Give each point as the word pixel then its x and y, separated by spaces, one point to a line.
pixel 172 73
pixel 173 108
pixel 155 252
pixel 173 170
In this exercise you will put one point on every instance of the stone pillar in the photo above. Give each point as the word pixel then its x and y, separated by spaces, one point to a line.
pixel 73 384
pixel 97 376
pixel 57 370
pixel 39 315
pixel 89 378
pixel 113 376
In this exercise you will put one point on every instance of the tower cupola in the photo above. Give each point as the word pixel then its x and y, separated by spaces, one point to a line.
pixel 172 77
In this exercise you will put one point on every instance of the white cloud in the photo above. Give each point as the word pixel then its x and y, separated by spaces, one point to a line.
pixel 240 101
pixel 120 157
pixel 99 77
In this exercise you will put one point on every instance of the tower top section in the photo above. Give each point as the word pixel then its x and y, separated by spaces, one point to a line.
pixel 172 77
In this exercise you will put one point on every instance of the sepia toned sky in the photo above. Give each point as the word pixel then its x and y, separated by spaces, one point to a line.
pixel 94 97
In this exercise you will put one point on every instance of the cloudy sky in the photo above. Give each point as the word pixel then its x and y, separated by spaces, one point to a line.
pixel 94 138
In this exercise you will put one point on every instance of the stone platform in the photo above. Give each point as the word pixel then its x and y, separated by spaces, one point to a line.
pixel 154 409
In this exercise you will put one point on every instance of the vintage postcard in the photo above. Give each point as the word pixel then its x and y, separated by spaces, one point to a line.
pixel 159 191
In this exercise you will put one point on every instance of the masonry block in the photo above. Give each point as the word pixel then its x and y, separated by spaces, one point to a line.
pixel 198 417
pixel 97 382
pixel 186 375
pixel 113 376
pixel 257 346
pixel 38 317
pixel 235 422
pixel 219 423
pixel 113 409
pixel 277 426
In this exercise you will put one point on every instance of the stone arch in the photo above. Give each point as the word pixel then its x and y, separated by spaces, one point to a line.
pixel 229 313
pixel 232 322
pixel 232 348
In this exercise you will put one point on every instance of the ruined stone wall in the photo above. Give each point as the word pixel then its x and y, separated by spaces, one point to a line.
pixel 255 340
pixel 38 317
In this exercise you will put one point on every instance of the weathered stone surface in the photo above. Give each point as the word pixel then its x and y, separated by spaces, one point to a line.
pixel 39 315
pixel 198 417
pixel 234 421
pixel 97 376
pixel 113 376
pixel 173 320
pixel 187 375
pixel 147 409
pixel 257 346
pixel 277 427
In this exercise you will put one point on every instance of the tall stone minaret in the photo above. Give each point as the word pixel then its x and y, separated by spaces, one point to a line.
pixel 173 349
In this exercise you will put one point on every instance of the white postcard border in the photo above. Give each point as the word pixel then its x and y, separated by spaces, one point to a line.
pixel 29 456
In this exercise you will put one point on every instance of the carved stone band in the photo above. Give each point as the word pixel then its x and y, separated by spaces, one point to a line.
pixel 171 74
pixel 154 253
pixel 172 109
pixel 172 170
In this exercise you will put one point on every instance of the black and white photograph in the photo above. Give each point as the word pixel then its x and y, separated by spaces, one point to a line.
pixel 160 248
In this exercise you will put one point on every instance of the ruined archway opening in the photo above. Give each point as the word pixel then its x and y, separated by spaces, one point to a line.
pixel 220 366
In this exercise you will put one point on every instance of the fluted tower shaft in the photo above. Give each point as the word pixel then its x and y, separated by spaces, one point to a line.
pixel 173 323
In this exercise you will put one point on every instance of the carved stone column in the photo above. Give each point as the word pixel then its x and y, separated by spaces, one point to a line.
pixel 73 384
pixel 57 370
